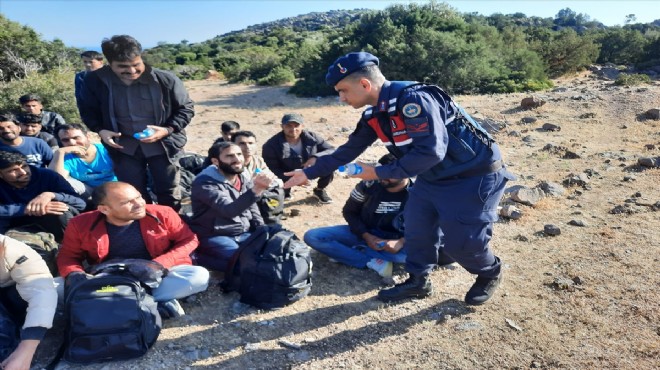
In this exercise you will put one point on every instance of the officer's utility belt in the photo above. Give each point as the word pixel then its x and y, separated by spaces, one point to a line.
pixel 481 170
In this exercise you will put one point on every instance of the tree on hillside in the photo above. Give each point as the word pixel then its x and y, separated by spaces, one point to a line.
pixel 23 52
pixel 621 46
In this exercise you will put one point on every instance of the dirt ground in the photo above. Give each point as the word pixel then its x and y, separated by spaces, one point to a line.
pixel 584 299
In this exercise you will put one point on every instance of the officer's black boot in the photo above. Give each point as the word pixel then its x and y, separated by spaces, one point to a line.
pixel 416 286
pixel 482 290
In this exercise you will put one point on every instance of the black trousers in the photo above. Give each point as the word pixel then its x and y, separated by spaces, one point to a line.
pixel 164 174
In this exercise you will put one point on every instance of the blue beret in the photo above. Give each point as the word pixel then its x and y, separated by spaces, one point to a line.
pixel 348 64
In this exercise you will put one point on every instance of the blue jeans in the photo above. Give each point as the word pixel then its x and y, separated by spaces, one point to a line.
pixel 181 281
pixel 215 252
pixel 339 243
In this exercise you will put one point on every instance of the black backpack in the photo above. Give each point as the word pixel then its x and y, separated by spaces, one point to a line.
pixel 270 271
pixel 110 317
pixel 190 164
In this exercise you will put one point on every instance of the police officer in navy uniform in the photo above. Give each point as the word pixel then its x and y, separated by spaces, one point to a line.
pixel 459 168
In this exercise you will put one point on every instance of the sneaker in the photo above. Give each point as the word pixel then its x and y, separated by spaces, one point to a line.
pixel 322 195
pixel 416 286
pixel 482 290
pixel 170 309
pixel 382 267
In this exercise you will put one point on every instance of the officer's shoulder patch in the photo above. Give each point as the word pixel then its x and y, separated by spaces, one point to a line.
pixel 21 259
pixel 417 126
pixel 411 110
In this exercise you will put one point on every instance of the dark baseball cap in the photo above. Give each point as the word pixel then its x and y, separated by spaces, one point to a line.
pixel 348 64
pixel 292 117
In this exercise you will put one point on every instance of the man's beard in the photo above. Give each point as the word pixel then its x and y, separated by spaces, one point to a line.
pixel 391 184
pixel 227 168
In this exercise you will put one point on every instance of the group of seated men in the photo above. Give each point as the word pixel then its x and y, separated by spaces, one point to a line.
pixel 120 224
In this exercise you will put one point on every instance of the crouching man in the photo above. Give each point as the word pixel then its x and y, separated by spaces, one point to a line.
pixel 112 232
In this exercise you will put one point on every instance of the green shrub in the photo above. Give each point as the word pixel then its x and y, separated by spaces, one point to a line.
pixel 55 88
pixel 625 79
pixel 278 76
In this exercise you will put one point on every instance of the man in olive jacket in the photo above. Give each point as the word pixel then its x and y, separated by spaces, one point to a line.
pixel 126 97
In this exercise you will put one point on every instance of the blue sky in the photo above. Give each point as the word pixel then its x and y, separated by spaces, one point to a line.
pixel 85 23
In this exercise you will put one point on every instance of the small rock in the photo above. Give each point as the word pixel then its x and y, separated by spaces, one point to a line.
pixel 649 161
pixel 527 196
pixel 562 283
pixel 323 120
pixel 531 102
pixel 550 127
pixel 629 178
pixel 653 113
pixel 587 115
pixel 512 324
pixel 579 223
pixel 552 189
pixel 510 211
pixel 528 120
pixel 514 134
pixel 578 280
pixel 469 325
pixel 551 230
pixel 521 238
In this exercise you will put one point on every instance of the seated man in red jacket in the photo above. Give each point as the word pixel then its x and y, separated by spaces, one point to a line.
pixel 112 232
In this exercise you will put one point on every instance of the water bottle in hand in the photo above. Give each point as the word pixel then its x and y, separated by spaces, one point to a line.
pixel 351 169
pixel 144 133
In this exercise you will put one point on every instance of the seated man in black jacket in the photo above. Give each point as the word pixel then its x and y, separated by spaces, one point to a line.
pixel 35 196
pixel 373 237
pixel 295 148
pixel 224 205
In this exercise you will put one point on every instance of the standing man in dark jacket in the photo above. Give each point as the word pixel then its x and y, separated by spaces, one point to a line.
pixel 126 97
pixel 295 148
pixel 460 172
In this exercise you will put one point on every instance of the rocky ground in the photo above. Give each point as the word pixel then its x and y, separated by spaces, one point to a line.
pixel 581 276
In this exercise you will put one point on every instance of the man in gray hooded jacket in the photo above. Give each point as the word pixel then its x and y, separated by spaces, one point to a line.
pixel 224 205
pixel 125 98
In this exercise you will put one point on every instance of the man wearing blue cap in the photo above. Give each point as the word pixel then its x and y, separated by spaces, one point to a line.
pixel 459 169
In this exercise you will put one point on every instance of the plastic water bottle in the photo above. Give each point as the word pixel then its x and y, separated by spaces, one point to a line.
pixel 144 133
pixel 351 169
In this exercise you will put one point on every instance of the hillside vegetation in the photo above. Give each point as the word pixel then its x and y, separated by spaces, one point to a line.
pixel 432 42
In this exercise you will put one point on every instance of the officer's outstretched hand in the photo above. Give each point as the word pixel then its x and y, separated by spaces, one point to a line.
pixel 298 178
